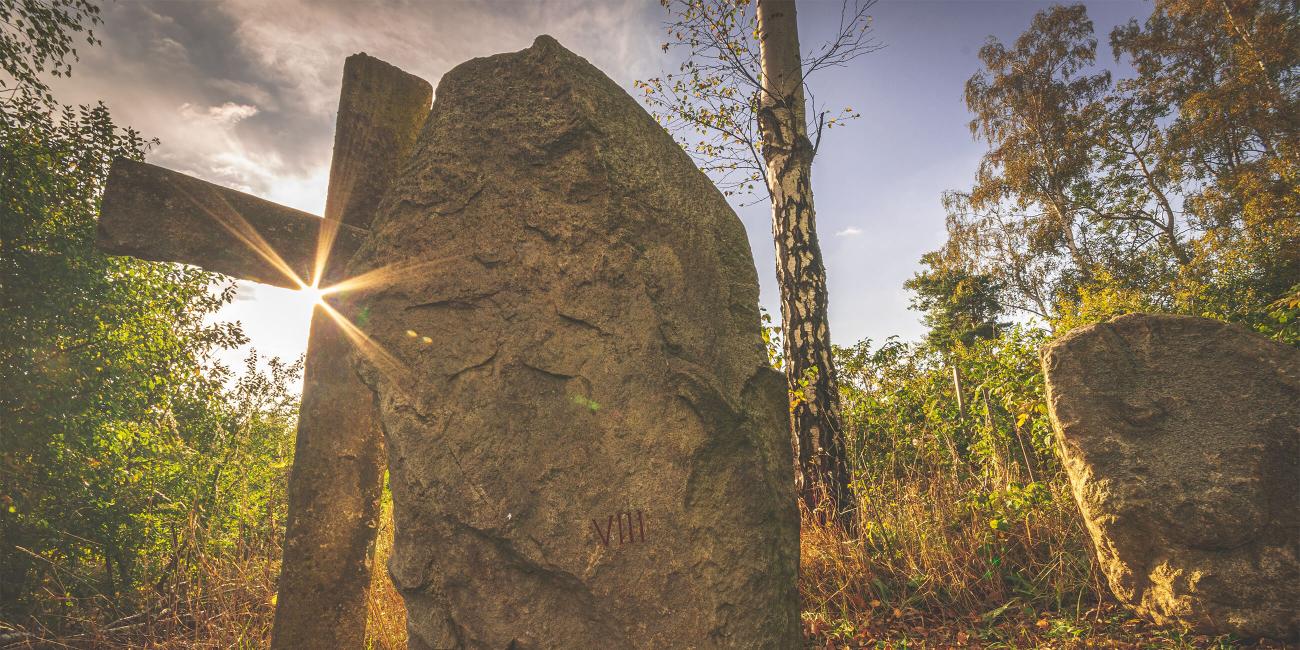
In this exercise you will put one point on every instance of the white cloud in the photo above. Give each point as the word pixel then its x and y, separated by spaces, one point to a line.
pixel 170 48
pixel 227 113
pixel 851 231
pixel 301 44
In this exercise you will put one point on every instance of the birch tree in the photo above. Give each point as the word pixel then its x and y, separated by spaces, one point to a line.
pixel 740 104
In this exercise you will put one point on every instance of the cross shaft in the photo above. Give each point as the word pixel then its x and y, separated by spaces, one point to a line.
pixel 337 476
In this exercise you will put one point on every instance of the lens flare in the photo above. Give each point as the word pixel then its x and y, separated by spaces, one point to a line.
pixel 385 362
pixel 234 223
pixel 389 275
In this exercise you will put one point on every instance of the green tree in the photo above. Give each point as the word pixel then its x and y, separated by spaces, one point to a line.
pixel 1174 189
pixel 1225 78
pixel 131 463
pixel 1034 104
pixel 117 429
pixel 959 308
pixel 36 38
pixel 97 354
pixel 738 105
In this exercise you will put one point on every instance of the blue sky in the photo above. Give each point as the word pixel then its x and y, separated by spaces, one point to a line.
pixel 885 173
pixel 242 93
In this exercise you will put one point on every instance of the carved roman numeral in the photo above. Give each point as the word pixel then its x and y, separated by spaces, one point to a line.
pixel 630 529
pixel 603 536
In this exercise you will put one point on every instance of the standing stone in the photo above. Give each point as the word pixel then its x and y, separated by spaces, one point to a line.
pixel 1181 438
pixel 586 445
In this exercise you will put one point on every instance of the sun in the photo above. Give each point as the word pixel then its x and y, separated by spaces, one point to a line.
pixel 314 294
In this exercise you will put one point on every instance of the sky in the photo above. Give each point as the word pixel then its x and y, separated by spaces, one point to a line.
pixel 243 93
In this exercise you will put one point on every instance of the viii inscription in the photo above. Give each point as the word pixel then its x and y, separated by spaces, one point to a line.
pixel 629 529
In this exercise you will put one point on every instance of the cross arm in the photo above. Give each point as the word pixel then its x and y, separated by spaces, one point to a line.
pixel 157 214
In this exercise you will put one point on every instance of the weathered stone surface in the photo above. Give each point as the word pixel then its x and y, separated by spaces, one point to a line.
pixel 588 449
pixel 1181 437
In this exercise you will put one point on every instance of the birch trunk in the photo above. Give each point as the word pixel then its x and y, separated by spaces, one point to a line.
pixel 821 472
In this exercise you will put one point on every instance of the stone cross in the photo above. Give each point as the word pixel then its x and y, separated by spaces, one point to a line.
pixel 334 487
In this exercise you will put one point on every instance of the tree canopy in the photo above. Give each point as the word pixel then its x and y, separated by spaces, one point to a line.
pixel 119 433
pixel 1173 188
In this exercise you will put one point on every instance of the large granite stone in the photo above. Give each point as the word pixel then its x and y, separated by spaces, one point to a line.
pixel 1181 437
pixel 587 447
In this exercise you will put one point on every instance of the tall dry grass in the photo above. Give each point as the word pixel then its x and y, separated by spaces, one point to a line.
pixel 386 624
pixel 923 557
pixel 220 600
pixel 927 545
pixel 203 600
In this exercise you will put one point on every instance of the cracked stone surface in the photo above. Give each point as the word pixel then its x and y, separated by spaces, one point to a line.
pixel 1181 438
pixel 587 448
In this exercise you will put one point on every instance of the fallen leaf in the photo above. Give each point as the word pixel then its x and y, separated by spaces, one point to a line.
pixel 815 626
